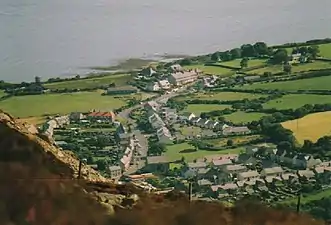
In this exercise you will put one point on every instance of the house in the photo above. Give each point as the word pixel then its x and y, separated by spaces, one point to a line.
pixel 235 130
pixel 272 179
pixel 102 116
pixel 61 144
pixel 218 126
pixel 156 121
pixel 221 162
pixel 169 114
pixel 209 124
pixel 201 122
pixel 126 159
pixel 115 172
pixel 307 174
pixel 216 190
pixel 204 182
pixel 157 164
pixel 186 116
pixel 153 86
pixel 246 159
pixel 191 169
pixel 123 138
pixel 305 161
pixel 183 77
pixel 176 68
pixel 121 90
pixel 248 175
pixel 251 150
pixel 164 135
pixel 152 107
pixel 251 182
pixel 267 163
pixel 76 116
pixel 164 84
pixel 274 171
pixel 148 71
pixel 288 176
pixel 297 58
pixel 235 169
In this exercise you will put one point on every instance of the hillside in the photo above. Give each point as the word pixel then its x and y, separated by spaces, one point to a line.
pixel 38 184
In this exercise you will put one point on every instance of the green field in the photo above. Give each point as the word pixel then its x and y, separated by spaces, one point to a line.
pixel 174 152
pixel 310 197
pixel 37 105
pixel 2 93
pixel 294 101
pixel 212 69
pixel 251 63
pixel 325 50
pixel 318 83
pixel 223 96
pixel 93 82
pixel 271 69
pixel 199 108
pixel 243 117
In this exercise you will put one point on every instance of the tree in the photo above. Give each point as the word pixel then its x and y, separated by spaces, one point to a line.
pixel 102 164
pixel 215 56
pixel 236 53
pixel 313 51
pixel 229 142
pixel 280 56
pixel 244 63
pixel 225 56
pixel 248 50
pixel 261 48
pixel 185 62
pixel 156 149
pixel 287 68
pixel 37 80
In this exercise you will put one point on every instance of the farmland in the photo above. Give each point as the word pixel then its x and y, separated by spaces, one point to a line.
pixel 325 50
pixel 212 69
pixel 199 108
pixel 2 93
pixel 243 117
pixel 294 101
pixel 37 105
pixel 305 128
pixel 251 63
pixel 176 152
pixel 222 96
pixel 318 83
pixel 93 82
pixel 271 69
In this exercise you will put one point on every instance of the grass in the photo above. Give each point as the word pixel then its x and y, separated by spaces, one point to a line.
pixel 212 69
pixel 294 101
pixel 2 93
pixel 38 105
pixel 93 82
pixel 243 117
pixel 318 83
pixel 251 63
pixel 272 69
pixel 325 50
pixel 224 96
pixel 221 142
pixel 197 109
pixel 311 127
pixel 174 152
pixel 310 197
pixel 191 130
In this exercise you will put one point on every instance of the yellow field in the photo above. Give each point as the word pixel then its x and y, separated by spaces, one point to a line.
pixel 310 127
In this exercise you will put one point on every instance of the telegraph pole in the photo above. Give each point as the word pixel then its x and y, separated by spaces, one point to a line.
pixel 80 168
pixel 190 191
pixel 299 201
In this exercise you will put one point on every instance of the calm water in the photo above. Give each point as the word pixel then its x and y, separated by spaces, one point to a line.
pixel 57 37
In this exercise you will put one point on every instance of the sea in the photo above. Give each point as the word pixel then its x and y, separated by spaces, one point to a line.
pixel 53 38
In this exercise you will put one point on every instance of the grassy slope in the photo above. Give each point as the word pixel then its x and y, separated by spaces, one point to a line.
pixel 318 83
pixel 243 117
pixel 174 152
pixel 211 69
pixel 305 128
pixel 2 93
pixel 224 96
pixel 296 101
pixel 199 108
pixel 325 50
pixel 37 105
pixel 120 79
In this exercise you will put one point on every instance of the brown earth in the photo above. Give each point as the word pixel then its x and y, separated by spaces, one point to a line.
pixel 38 184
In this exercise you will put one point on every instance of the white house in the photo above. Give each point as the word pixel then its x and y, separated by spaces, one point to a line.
pixel 156 121
pixel 164 84
pixel 153 86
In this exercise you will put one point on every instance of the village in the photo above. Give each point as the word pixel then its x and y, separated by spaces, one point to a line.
pixel 136 150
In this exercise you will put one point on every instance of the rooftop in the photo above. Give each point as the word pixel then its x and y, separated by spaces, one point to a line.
pixel 272 170
pixel 249 174
pixel 197 165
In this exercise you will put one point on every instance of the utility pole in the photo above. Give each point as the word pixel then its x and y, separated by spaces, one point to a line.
pixel 190 191
pixel 80 168
pixel 299 201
